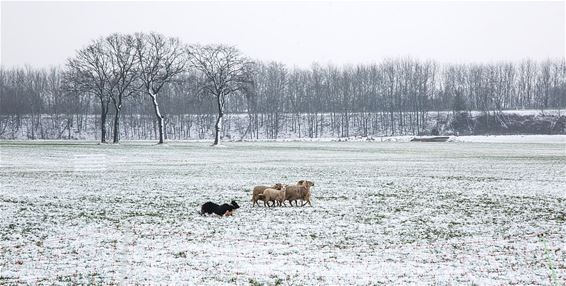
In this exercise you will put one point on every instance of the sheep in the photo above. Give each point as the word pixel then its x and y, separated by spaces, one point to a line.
pixel 306 198
pixel 294 193
pixel 301 191
pixel 305 183
pixel 274 195
pixel 307 194
pixel 257 194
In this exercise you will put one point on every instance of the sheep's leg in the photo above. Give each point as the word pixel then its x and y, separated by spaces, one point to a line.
pixel 307 202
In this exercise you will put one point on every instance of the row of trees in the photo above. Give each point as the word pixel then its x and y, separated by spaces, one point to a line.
pixel 150 74
pixel 118 66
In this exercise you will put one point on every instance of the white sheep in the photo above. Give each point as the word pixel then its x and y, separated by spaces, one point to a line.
pixel 257 193
pixel 301 191
pixel 275 196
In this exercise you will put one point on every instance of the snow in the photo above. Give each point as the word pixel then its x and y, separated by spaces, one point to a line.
pixel 550 139
pixel 201 126
pixel 458 212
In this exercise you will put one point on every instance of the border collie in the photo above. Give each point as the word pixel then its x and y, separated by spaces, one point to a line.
pixel 222 210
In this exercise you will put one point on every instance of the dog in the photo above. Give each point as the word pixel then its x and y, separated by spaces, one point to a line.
pixel 221 210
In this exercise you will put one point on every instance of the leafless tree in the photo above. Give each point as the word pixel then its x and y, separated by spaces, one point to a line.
pixel 391 97
pixel 159 60
pixel 225 71
pixel 121 53
pixel 89 72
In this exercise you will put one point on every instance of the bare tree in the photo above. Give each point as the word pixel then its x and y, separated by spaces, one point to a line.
pixel 225 73
pixel 525 83
pixel 121 52
pixel 159 60
pixel 88 71
pixel 395 96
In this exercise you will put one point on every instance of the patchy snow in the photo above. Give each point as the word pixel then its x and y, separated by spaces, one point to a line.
pixel 519 139
pixel 235 126
pixel 383 212
pixel 218 146
pixel 525 139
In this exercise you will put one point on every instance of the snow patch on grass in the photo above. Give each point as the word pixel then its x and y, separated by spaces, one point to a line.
pixel 414 213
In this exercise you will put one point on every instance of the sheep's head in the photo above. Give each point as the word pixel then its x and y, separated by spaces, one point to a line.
pixel 284 188
pixel 278 186
pixel 306 184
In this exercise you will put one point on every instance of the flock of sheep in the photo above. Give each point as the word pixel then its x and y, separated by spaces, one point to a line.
pixel 278 194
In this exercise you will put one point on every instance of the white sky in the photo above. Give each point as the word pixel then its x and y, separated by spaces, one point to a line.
pixel 45 33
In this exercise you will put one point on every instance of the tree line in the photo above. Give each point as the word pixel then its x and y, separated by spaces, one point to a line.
pixel 159 83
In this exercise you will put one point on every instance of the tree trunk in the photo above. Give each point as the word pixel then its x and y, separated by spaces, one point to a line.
pixel 218 124
pixel 160 121
pixel 69 126
pixel 103 112
pixel 117 108
pixel 256 123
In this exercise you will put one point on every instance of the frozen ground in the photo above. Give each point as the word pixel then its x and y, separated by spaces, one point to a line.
pixel 384 213
pixel 549 139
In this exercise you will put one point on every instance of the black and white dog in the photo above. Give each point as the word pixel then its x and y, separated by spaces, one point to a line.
pixel 222 210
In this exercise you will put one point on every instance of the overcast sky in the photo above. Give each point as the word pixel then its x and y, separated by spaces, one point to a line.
pixel 296 33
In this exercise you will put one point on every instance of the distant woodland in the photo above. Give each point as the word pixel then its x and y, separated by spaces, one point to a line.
pixel 149 86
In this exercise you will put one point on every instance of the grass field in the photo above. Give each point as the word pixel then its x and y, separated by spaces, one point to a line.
pixel 383 213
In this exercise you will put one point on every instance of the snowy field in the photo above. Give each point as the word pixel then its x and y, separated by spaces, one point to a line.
pixel 383 213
